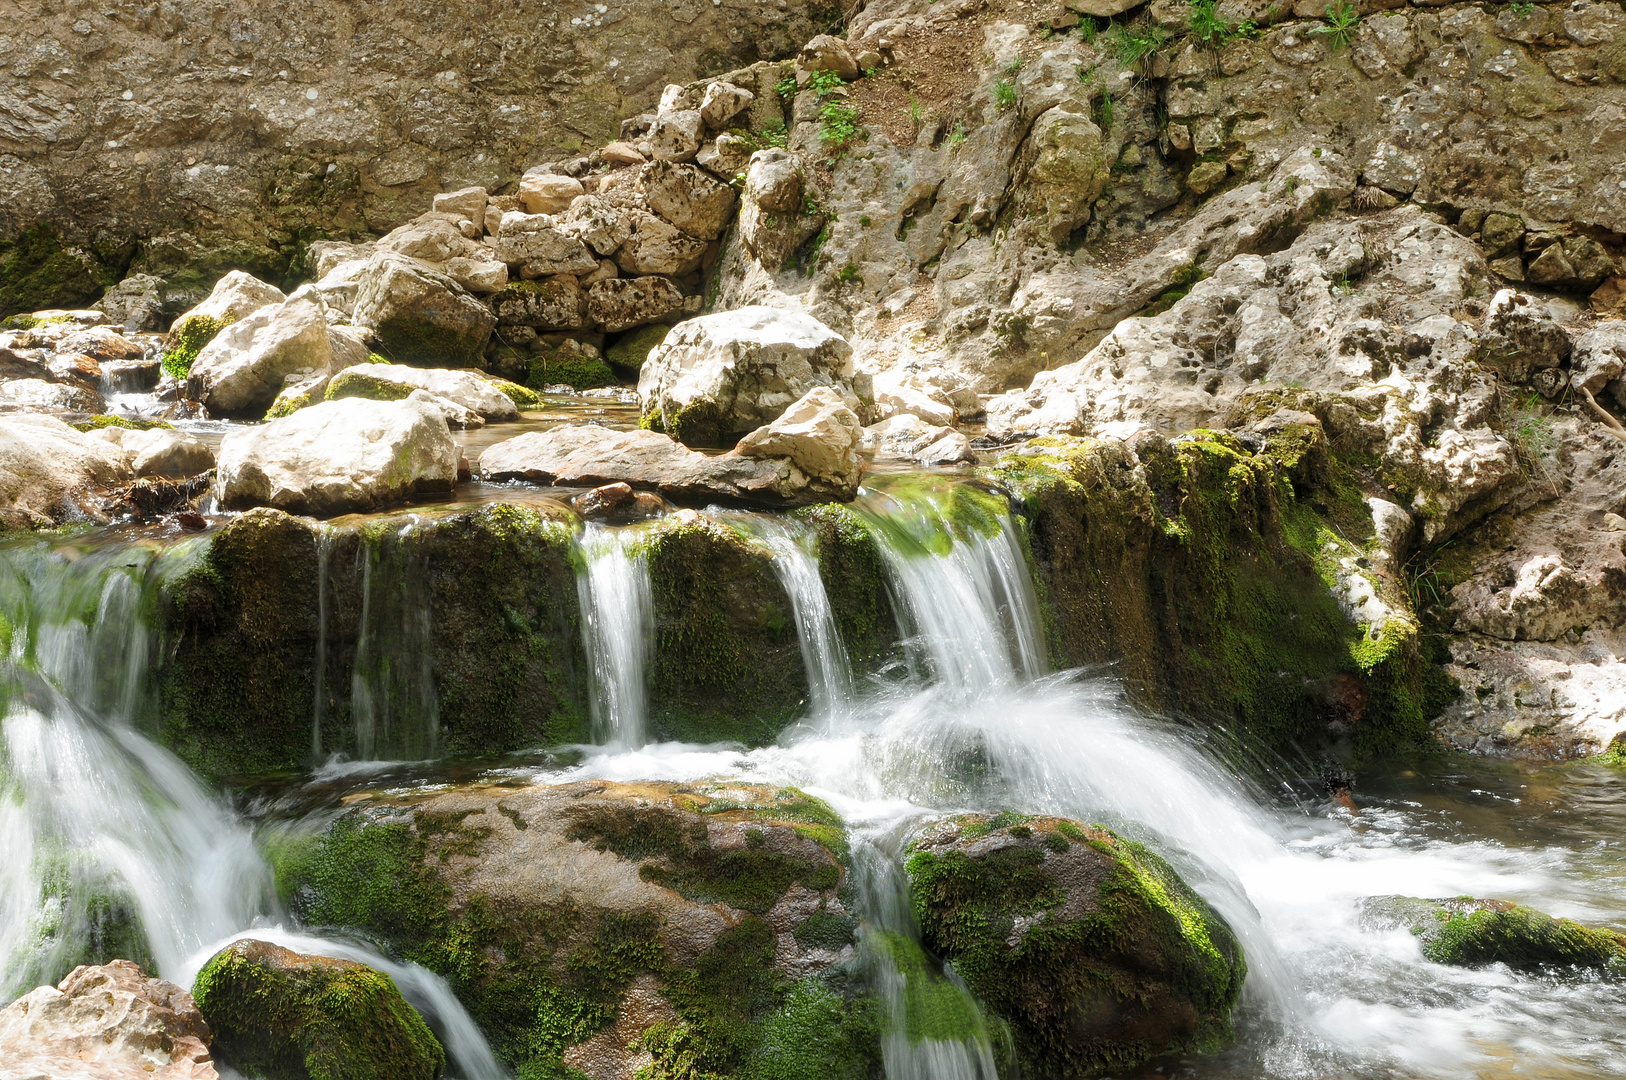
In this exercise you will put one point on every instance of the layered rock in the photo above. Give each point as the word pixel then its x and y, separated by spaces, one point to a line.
pixel 1088 945
pixel 107 1022
pixel 339 457
pixel 421 316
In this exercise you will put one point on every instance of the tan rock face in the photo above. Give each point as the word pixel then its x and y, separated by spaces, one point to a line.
pixel 108 1022
pixel 47 468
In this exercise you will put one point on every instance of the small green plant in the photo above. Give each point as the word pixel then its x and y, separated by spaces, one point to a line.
pixel 1004 94
pixel 1339 27
pixel 1130 47
pixel 1344 285
pixel 863 221
pixel 786 87
pixel 1086 74
pixel 810 205
pixel 1105 110
pixel 774 135
pixel 1087 29
pixel 1292 184
pixel 1207 27
pixel 849 273
pixel 1316 152
pixel 956 137
pixel 838 123
pixel 1522 9
pixel 1014 68
pixel 823 82
pixel 917 114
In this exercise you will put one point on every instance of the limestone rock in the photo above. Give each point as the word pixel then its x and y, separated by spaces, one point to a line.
pixel 774 181
pixel 393 382
pixel 432 237
pixel 621 303
pixel 156 452
pixel 720 375
pixel 46 467
pixel 548 193
pixel 1599 356
pixel 688 198
pixel 479 275
pixel 676 135
pixel 270 1007
pixel 722 102
pixel 657 247
pixel 622 153
pixel 553 303
pixel 235 296
pixel 51 394
pixel 101 343
pixel 241 372
pixel 899 392
pixel 108 1022
pixel 1523 337
pixel 628 353
pixel 468 203
pixel 596 222
pixel 420 316
pixel 1090 946
pixel 827 53
pixel 907 435
pixel 726 156
pixel 338 457
pixel 820 436
pixel 139 302
pixel 540 247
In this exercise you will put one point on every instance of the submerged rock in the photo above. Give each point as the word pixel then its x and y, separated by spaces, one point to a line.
pixel 1466 932
pixel 287 1016
pixel 1087 944
pixel 108 1022
pixel 598 925
pixel 338 457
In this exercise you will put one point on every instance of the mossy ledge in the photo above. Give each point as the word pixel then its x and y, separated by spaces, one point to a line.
pixel 622 896
pixel 1206 573
pixel 1467 932
pixel 1087 944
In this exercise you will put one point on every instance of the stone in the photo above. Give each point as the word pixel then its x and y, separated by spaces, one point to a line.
pixel 1088 945
pixel 898 392
pixel 47 469
pixel 340 284
pixel 167 454
pixel 620 153
pixel 1070 168
pixel 908 436
pixel 468 203
pixel 598 223
pixel 1501 233
pixel 586 454
pixel 675 136
pixel 820 436
pixel 235 296
pixel 1551 267
pixel 101 343
pixel 688 198
pixel 827 53
pixel 393 382
pixel 1102 9
pixel 432 237
pixel 420 316
pixel 1524 339
pixel 140 302
pixel 1610 297
pixel 1594 24
pixel 1599 356
pixel 722 102
pixel 774 181
pixel 548 193
pixel 1589 260
pixel 1206 176
pixel 619 304
pixel 553 303
pixel 477 275
pixel 718 376
pixel 629 351
pixel 51 394
pixel 657 247
pixel 285 1014
pixel 1466 932
pixel 726 156
pixel 1509 268
pixel 243 369
pixel 338 457
pixel 107 1022
pixel 541 247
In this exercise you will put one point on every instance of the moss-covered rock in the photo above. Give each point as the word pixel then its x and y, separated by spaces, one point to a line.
pixel 287 1016
pixel 569 364
pixel 727 663
pixel 40 269
pixel 186 339
pixel 629 351
pixel 1088 945
pixel 1208 572
pixel 1466 932
pixel 854 575
pixel 573 920
pixel 352 383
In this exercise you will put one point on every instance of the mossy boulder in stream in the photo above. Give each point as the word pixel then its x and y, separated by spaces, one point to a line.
pixel 1466 932
pixel 1088 945
pixel 283 1015
pixel 588 925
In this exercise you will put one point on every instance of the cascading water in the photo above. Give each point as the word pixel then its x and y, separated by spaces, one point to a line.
pixel 829 677
pixel 618 629
pixel 393 703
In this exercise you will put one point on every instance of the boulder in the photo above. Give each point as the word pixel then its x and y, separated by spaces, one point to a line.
pixel 828 53
pixel 338 457
pixel 394 382
pixel 51 394
pixel 629 351
pixel 101 343
pixel 478 275
pixel 622 153
pixel 431 237
pixel 589 455
pixel 553 303
pixel 468 203
pixel 899 392
pixel 774 181
pixel 617 304
pixel 688 198
pixel 108 1022
pixel 45 466
pixel 604 901
pixel 244 367
pixel 291 1016
pixel 235 296
pixel 655 246
pixel 596 222
pixel 722 102
pixel 547 193
pixel 726 156
pixel 718 376
pixel 820 436
pixel 540 246
pixel 907 435
pixel 1466 932
pixel 675 135
pixel 420 316
pixel 1522 337
pixel 340 283
pixel 159 452
pixel 139 302
pixel 1599 356
pixel 1088 945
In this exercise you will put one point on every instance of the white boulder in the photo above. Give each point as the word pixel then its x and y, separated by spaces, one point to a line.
pixel 241 372
pixel 819 435
pixel 389 382
pixel 46 464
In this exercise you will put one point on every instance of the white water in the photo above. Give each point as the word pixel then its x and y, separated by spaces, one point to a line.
pixel 393 702
pixel 829 677
pixel 618 630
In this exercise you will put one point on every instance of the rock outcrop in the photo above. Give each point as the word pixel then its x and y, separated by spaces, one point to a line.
pixel 107 1022
pixel 1088 945
pixel 289 1016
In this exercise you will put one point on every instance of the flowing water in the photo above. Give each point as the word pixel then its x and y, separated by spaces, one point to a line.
pixel 103 830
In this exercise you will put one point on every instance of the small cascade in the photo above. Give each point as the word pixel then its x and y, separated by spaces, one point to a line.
pixel 618 629
pixel 324 559
pixel 393 702
pixel 961 588
pixel 829 676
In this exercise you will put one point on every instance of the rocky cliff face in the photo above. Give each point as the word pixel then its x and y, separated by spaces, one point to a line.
pixel 190 138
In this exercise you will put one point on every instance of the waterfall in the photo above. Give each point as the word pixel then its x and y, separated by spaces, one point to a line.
pixel 393 702
pixel 324 557
pixel 618 629
pixel 829 677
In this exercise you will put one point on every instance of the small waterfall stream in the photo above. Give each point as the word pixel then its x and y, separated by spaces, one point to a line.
pixel 618 629
pixel 829 676
pixel 393 703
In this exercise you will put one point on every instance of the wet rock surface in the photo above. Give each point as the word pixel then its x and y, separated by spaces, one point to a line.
pixel 1468 932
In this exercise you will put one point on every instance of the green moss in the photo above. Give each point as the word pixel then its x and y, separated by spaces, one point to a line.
pixel 1137 966
pixel 933 1007
pixel 854 575
pixel 1466 932
pixel 560 367
pixel 96 423
pixel 629 351
pixel 186 339
pixel 39 269
pixel 286 1017
pixel 817 1034
pixel 287 406
pixel 524 398
pixel 699 424
pixel 359 384
pixel 416 337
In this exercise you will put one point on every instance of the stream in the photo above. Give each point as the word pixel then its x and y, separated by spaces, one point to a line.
pixel 95 807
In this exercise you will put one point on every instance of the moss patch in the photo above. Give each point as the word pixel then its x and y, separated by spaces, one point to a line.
pixel 855 580
pixel 358 384
pixel 40 269
pixel 96 423
pixel 289 1017
pixel 1097 955
pixel 1466 932
pixel 629 351
pixel 559 367
pixel 186 339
